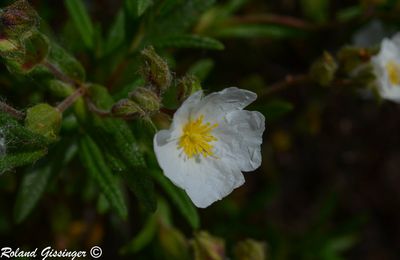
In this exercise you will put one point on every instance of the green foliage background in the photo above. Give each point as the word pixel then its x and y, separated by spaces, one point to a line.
pixel 327 188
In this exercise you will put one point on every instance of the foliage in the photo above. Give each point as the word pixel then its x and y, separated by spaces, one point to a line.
pixel 95 85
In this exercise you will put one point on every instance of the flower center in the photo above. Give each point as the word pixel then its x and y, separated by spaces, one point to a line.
pixel 393 71
pixel 196 138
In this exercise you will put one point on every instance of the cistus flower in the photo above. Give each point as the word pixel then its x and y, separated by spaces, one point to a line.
pixel 386 66
pixel 211 141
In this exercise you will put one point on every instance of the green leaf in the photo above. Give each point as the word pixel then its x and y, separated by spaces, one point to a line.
pixel 257 31
pixel 180 18
pixel 201 69
pixel 65 62
pixel 11 161
pixel 36 180
pixel 142 239
pixel 93 160
pixel 121 148
pixel 180 199
pixel 189 41
pixel 116 35
pixel 20 146
pixel 32 187
pixel 81 20
pixel 274 109
pixel 137 7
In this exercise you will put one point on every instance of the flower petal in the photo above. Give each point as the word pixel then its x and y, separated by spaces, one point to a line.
pixel 182 115
pixel 205 180
pixel 240 138
pixel 389 51
pixel 217 104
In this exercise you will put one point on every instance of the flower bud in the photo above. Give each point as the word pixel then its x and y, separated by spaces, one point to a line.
pixel 156 70
pixel 146 99
pixel 323 70
pixel 208 247
pixel 45 120
pixel 250 249
pixel 18 18
pixel 188 85
pixel 23 56
pixel 127 108
pixel 59 88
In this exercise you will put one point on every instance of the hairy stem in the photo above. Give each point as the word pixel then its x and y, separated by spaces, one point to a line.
pixel 60 75
pixel 12 111
pixel 66 103
pixel 290 80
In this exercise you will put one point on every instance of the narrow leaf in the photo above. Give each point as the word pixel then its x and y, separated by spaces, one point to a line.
pixel 180 199
pixel 138 7
pixel 142 239
pixel 117 140
pixel 81 20
pixel 116 36
pixel 94 162
pixel 257 31
pixel 189 41
pixel 36 180
pixel 32 188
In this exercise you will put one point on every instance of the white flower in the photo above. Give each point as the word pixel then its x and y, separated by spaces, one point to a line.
pixel 210 142
pixel 386 66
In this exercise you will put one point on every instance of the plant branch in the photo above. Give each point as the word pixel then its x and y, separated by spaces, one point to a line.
pixel 289 81
pixel 66 103
pixel 275 19
pixel 12 111
pixel 60 75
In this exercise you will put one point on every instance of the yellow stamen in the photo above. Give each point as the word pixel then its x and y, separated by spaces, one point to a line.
pixel 196 138
pixel 393 71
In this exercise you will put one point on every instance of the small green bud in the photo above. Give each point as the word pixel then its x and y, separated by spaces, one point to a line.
pixel 188 85
pixel 36 49
pixel 208 247
pixel 18 18
pixel 7 46
pixel 323 70
pixel 146 99
pixel 59 88
pixel 44 119
pixel 250 249
pixel 127 108
pixel 27 53
pixel 156 70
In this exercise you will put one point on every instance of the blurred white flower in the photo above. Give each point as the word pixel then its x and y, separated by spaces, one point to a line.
pixel 386 66
pixel 210 142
